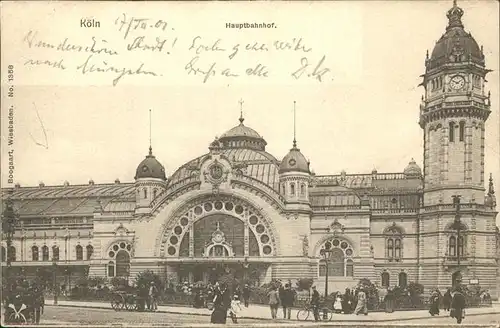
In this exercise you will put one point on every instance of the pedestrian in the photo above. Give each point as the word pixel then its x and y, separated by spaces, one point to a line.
pixel 246 294
pixel 235 308
pixel 287 300
pixel 315 303
pixel 458 306
pixel 361 306
pixel 37 304
pixel 347 302
pixel 337 305
pixel 389 300
pixel 219 314
pixel 447 300
pixel 274 301
pixel 153 293
pixel 434 300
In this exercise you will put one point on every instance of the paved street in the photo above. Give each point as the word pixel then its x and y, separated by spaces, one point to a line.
pixel 62 315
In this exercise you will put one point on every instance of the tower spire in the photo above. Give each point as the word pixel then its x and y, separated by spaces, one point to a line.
pixel 241 111
pixel 455 16
pixel 150 147
pixel 294 126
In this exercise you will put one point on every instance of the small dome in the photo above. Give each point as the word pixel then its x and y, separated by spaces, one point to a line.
pixel 412 170
pixel 66 183
pixel 241 136
pixel 41 184
pixel 455 45
pixel 294 161
pixel 91 182
pixel 150 168
pixel 241 131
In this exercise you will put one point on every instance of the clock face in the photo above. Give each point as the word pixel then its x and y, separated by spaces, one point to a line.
pixel 457 82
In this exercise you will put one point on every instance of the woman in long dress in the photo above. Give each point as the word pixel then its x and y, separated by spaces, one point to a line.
pixel 219 314
pixel 361 306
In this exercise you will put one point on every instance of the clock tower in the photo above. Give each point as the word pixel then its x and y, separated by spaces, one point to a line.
pixel 452 115
pixel 456 237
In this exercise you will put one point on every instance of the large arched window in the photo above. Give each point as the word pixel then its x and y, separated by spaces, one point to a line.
pixel 461 132
pixel 339 259
pixel 12 253
pixel 55 253
pixel 79 253
pixel 403 280
pixel 122 264
pixel 452 131
pixel 3 254
pixel 385 279
pixel 90 250
pixel 45 253
pixel 34 253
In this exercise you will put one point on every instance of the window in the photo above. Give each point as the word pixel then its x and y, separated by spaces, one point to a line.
pixel 452 132
pixel 340 263
pixel 462 131
pixel 3 254
pixel 12 253
pixel 283 189
pixel 45 253
pixel 145 193
pixel 55 253
pixel 397 248
pixel 452 246
pixel 390 248
pixel 155 191
pixel 79 253
pixel 34 253
pixel 302 189
pixel 460 250
pixel 292 189
pixel 403 280
pixel 385 279
pixel 111 269
pixel 394 243
pixel 90 250
pixel 122 263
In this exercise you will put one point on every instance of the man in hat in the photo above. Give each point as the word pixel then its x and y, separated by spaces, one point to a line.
pixel 153 292
pixel 315 303
pixel 246 294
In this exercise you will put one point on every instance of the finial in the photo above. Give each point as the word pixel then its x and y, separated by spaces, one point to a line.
pixel 241 111
pixel 454 16
pixel 150 148
pixel 427 54
pixel 294 126
pixel 491 190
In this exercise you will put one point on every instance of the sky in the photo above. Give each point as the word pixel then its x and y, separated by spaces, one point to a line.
pixel 72 124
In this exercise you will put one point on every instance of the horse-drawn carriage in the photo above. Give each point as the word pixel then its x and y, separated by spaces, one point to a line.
pixel 129 301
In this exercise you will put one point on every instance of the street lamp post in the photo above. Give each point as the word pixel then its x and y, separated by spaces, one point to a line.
pixel 56 289
pixel 325 252
pixel 9 222
pixel 458 226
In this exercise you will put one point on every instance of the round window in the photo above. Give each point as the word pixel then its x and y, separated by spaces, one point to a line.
pixel 198 210
pixel 328 245
pixel 129 247
pixel 178 230
pixel 184 221
pixel 336 242
pixel 218 205
pixel 267 249
pixel 111 254
pixel 229 206
pixel 208 207
pixel 348 252
pixel 174 240
pixel 238 209
pixel 253 220
pixel 344 245
pixel 122 245
pixel 260 228
pixel 264 239
pixel 115 247
pixel 171 250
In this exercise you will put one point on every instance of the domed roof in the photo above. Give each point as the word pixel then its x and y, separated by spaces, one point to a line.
pixel 455 45
pixel 294 161
pixel 412 170
pixel 150 168
pixel 242 136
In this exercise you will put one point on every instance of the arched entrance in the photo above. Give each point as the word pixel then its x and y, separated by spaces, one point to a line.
pixel 217 237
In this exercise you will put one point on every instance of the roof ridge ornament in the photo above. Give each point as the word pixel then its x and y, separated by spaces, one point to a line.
pixel 241 112
pixel 491 190
pixel 454 16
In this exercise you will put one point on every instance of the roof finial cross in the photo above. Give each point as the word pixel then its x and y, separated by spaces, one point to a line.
pixel 150 147
pixel 241 111
pixel 217 225
pixel 294 126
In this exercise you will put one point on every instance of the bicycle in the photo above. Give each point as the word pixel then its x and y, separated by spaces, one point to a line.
pixel 325 314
